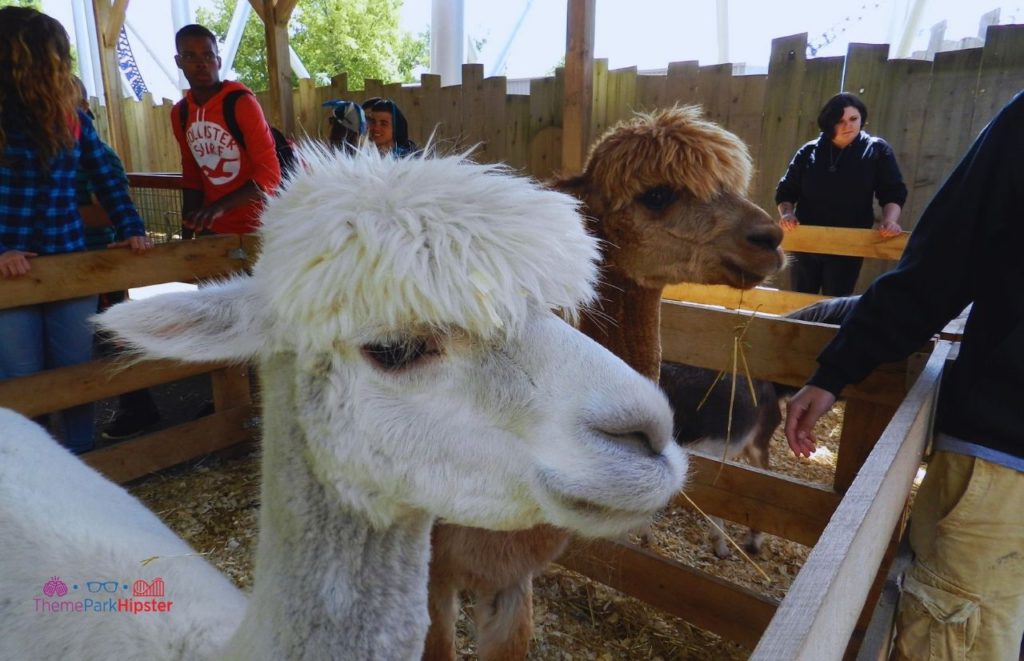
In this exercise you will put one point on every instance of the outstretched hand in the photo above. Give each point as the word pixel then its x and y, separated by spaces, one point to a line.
pixel 802 411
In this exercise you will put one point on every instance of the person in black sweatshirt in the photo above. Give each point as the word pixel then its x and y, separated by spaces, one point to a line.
pixel 963 597
pixel 830 182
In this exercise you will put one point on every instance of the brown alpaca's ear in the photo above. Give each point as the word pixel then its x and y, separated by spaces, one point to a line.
pixel 579 187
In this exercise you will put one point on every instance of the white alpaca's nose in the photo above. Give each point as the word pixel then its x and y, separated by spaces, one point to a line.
pixel 645 432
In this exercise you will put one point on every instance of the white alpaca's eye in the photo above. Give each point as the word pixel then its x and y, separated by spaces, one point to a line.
pixel 401 354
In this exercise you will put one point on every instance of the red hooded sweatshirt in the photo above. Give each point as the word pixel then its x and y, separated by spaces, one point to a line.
pixel 213 162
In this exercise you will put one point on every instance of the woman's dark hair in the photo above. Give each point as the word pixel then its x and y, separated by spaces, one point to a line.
pixel 833 109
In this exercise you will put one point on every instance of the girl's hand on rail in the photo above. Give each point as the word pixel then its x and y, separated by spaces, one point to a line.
pixel 14 263
pixel 802 411
pixel 137 244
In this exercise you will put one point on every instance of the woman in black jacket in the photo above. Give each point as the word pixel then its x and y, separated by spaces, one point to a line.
pixel 830 182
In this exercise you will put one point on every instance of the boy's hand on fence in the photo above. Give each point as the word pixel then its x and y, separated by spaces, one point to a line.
pixel 197 221
pixel 137 244
pixel 802 411
pixel 14 263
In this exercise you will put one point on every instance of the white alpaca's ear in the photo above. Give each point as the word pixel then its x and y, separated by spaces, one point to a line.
pixel 220 322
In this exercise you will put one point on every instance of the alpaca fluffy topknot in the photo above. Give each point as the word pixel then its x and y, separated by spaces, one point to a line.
pixel 359 246
pixel 675 147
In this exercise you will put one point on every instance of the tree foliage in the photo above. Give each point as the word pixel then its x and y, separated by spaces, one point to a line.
pixel 358 37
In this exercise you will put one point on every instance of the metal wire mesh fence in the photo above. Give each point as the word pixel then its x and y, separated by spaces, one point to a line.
pixel 161 210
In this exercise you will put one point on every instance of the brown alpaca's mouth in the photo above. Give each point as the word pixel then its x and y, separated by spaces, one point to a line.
pixel 743 278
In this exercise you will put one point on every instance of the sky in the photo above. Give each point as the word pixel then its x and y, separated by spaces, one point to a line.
pixel 644 33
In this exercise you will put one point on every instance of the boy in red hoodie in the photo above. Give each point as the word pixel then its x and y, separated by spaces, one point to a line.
pixel 224 182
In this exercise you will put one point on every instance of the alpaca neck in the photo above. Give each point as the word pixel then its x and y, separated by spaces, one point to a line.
pixel 328 584
pixel 627 322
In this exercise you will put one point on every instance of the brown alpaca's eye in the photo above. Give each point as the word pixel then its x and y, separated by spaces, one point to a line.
pixel 399 355
pixel 656 199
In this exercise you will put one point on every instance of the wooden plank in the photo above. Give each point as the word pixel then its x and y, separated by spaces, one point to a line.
pixel 117 133
pixel 1001 73
pixel 864 73
pixel 729 610
pixel 147 454
pixel 746 111
pixel 763 299
pixel 944 129
pixel 779 134
pixel 681 83
pixel 715 83
pixel 621 100
pixel 496 123
pixel 863 424
pixel 777 349
pixel 599 103
pixel 774 503
pixel 63 387
pixel 650 93
pixel 578 100
pixel 820 610
pixel 844 241
pixel 434 125
pixel 57 277
pixel 231 387
pixel 517 123
pixel 472 107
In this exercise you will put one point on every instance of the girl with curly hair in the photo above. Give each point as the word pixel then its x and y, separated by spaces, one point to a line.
pixel 44 138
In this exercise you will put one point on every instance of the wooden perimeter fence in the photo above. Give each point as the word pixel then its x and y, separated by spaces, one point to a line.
pixel 928 110
pixel 885 430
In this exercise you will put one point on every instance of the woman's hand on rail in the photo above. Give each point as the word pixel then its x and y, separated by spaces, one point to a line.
pixel 137 244
pixel 802 411
pixel 889 228
pixel 14 263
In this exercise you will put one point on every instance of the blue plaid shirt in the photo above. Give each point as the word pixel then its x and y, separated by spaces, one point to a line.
pixel 39 210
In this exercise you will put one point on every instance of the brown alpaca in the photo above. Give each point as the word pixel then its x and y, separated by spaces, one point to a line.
pixel 666 194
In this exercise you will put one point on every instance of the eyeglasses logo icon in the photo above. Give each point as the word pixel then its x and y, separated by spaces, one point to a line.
pixel 106 586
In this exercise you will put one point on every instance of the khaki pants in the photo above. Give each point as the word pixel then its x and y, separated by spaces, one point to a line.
pixel 963 597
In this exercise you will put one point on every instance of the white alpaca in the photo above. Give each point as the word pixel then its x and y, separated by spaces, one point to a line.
pixel 411 367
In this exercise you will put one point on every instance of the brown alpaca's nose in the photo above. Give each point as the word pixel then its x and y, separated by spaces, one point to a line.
pixel 767 237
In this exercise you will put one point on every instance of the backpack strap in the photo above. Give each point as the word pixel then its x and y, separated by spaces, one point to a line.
pixel 183 113
pixel 230 101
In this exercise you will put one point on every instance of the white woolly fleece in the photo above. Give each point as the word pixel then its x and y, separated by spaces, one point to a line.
pixel 355 246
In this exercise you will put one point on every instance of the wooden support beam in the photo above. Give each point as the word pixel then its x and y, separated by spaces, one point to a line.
pixel 729 610
pixel 275 16
pixel 133 459
pixel 112 29
pixel 111 73
pixel 821 608
pixel 773 503
pixel 577 105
